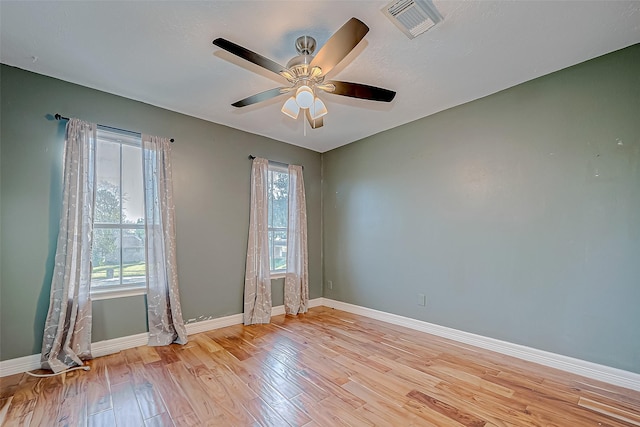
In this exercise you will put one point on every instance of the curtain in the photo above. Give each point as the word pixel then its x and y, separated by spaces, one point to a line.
pixel 296 282
pixel 67 332
pixel 257 278
pixel 163 299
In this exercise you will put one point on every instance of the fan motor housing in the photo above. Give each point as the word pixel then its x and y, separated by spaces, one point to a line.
pixel 299 65
pixel 305 45
pixel 300 60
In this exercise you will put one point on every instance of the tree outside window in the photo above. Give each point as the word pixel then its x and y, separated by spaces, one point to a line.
pixel 278 199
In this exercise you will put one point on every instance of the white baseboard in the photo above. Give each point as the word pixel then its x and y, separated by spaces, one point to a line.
pixel 210 325
pixel 103 348
pixel 236 319
pixel 19 365
pixel 584 368
pixel 592 370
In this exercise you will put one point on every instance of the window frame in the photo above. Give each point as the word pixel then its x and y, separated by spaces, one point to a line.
pixel 279 273
pixel 131 139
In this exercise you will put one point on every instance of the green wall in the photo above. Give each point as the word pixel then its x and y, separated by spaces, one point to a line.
pixel 517 215
pixel 211 170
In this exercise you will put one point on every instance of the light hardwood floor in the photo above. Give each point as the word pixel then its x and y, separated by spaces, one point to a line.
pixel 325 368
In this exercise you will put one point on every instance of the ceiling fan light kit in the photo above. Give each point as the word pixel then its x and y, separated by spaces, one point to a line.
pixel 304 96
pixel 304 99
pixel 318 109
pixel 306 73
pixel 291 108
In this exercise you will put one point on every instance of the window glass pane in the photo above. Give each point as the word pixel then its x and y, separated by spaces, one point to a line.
pixel 105 258
pixel 280 190
pixel 132 188
pixel 277 193
pixel 118 250
pixel 279 250
pixel 107 203
pixel 271 250
pixel 270 198
pixel 134 267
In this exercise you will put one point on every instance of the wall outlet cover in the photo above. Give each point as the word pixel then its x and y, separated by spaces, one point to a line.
pixel 422 300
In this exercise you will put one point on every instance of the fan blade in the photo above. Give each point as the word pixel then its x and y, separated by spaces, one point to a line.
pixel 249 55
pixel 315 124
pixel 262 96
pixel 339 45
pixel 358 90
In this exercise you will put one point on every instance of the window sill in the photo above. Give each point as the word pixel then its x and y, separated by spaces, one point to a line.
pixel 278 275
pixel 102 294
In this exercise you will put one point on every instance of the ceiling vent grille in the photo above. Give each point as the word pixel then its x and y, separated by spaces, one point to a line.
pixel 413 17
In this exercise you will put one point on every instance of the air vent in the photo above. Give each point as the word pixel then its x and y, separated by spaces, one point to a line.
pixel 413 17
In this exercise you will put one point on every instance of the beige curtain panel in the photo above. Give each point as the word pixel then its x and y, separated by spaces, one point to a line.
pixel 67 332
pixel 257 278
pixel 166 325
pixel 296 283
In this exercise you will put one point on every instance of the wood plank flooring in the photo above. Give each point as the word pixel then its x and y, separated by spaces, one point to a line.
pixel 325 368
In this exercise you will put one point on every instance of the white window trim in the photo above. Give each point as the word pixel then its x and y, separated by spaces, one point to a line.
pixel 102 294
pixel 278 167
pixel 132 139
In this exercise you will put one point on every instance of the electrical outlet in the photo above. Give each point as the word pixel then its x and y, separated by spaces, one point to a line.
pixel 330 284
pixel 422 300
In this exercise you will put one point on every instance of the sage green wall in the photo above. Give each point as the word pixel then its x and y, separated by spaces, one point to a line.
pixel 212 189
pixel 517 215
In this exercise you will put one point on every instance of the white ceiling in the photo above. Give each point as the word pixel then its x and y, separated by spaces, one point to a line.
pixel 161 53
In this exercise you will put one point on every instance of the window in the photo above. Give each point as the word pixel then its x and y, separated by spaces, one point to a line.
pixel 278 210
pixel 118 248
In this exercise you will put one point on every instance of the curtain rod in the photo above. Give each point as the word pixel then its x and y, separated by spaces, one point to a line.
pixel 251 156
pixel 59 117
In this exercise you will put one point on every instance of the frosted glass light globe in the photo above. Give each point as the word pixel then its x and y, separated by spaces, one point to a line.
pixel 304 97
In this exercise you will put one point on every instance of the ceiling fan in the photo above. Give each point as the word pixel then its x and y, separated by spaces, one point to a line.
pixel 306 73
